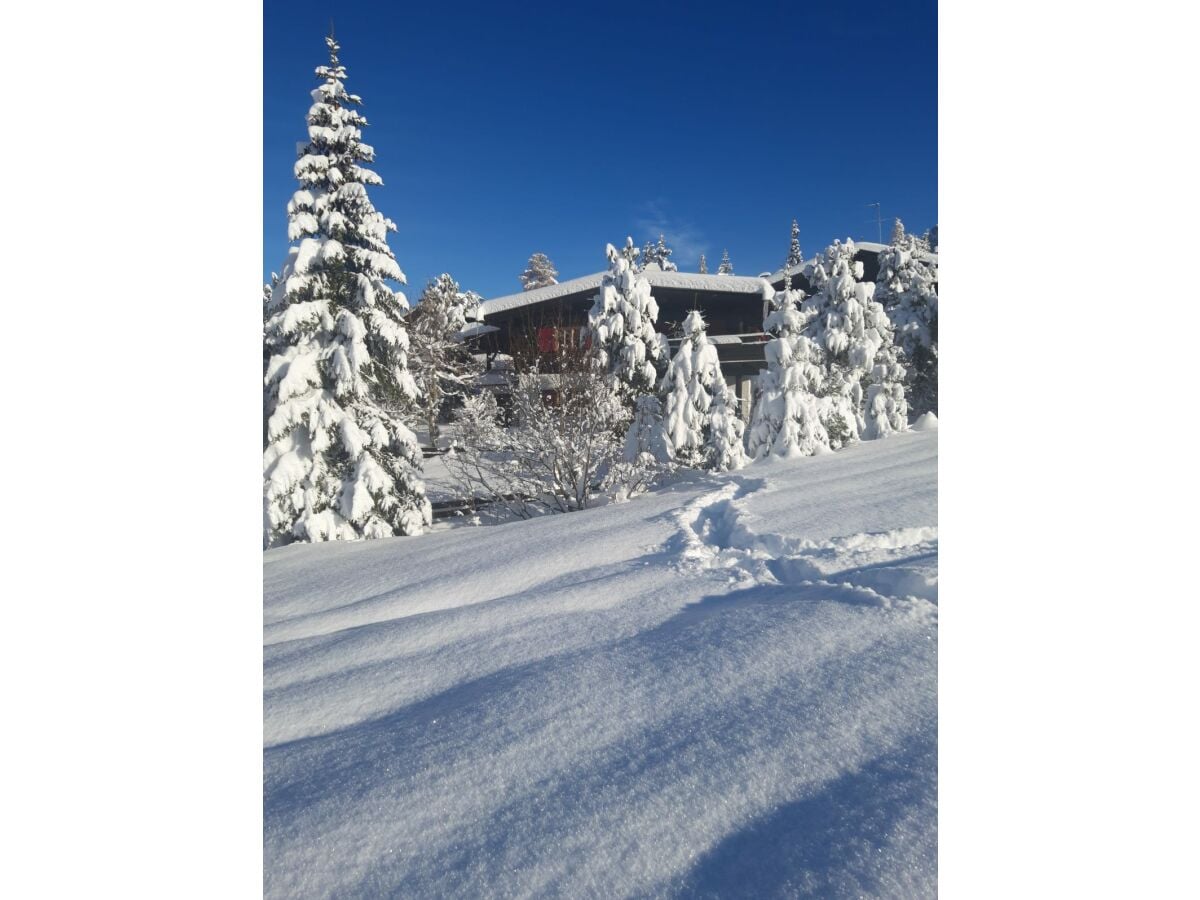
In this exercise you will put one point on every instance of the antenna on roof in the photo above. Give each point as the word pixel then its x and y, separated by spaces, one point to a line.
pixel 878 218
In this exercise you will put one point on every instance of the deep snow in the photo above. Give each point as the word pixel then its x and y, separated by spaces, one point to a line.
pixel 725 688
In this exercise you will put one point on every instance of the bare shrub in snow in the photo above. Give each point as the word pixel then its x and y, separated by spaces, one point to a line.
pixel 562 449
pixel 337 464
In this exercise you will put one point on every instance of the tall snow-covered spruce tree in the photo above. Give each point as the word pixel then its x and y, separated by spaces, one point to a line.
pixel 701 422
pixel 795 255
pixel 621 327
pixel 539 273
pixel 726 267
pixel 703 265
pixel 337 464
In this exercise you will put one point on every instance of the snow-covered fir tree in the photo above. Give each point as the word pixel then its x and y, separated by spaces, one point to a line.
pixel 857 337
pixel 440 361
pixel 268 290
pixel 906 288
pixel 703 265
pixel 897 233
pixel 700 420
pixel 646 439
pixel 795 255
pixel 792 416
pixel 337 463
pixel 632 255
pixel 646 257
pixel 540 272
pixel 726 267
pixel 621 326
pixel 659 254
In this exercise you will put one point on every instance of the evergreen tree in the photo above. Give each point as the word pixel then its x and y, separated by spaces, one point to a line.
pixel 659 254
pixel 631 255
pixel 858 339
pixel 647 256
pixel 646 439
pixel 337 465
pixel 539 273
pixel 897 233
pixel 703 265
pixel 906 288
pixel 792 416
pixel 724 445
pixel 442 364
pixel 795 257
pixel 701 430
pixel 726 267
pixel 621 327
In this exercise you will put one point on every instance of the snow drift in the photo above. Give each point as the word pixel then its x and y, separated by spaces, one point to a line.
pixel 725 688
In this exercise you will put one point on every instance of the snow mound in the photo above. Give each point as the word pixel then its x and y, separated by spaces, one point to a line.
pixel 724 688
pixel 926 422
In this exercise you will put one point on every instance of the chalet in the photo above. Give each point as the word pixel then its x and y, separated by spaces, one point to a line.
pixel 732 306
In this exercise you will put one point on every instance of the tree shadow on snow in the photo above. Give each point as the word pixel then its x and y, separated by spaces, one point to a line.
pixel 838 842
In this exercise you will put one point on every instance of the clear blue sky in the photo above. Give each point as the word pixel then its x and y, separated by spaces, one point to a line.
pixel 502 129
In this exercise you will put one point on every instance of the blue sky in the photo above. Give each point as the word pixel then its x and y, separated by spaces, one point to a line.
pixel 504 129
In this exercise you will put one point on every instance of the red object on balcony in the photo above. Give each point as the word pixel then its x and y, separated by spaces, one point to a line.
pixel 547 339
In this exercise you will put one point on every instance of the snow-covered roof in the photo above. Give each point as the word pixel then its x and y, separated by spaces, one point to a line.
pixel 475 329
pixel 692 281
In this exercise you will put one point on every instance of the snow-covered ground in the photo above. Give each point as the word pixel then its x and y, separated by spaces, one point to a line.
pixel 724 688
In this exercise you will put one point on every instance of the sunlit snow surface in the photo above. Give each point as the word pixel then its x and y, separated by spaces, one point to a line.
pixel 726 688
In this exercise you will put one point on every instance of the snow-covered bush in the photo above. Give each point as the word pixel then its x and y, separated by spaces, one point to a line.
pixel 562 448
pixel 906 288
pixel 621 329
pixel 540 272
pixel 440 361
pixel 700 421
pixel 337 464
pixel 857 337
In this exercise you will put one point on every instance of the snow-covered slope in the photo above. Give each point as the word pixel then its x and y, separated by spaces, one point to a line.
pixel 726 688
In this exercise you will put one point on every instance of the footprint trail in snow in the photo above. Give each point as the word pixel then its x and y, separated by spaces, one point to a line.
pixel 894 569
